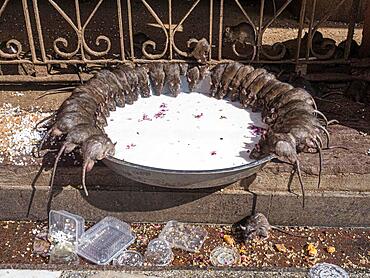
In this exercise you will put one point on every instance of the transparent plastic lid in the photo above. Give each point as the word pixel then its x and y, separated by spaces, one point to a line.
pixel 158 253
pixel 184 236
pixel 65 226
pixel 224 256
pixel 129 258
pixel 325 270
pixel 105 240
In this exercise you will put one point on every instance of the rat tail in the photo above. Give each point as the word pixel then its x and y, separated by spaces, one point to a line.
pixel 298 168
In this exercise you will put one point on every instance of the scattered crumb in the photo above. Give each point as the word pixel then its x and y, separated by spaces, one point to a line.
pixel 18 134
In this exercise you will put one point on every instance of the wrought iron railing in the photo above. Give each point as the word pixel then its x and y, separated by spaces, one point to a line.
pixel 37 61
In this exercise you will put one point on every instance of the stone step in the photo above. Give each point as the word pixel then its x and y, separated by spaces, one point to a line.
pixel 340 201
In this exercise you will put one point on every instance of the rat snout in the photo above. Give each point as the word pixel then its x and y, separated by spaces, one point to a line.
pixel 225 39
pixel 255 154
pixel 109 148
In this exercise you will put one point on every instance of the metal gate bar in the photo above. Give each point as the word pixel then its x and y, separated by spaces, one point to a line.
pixel 37 56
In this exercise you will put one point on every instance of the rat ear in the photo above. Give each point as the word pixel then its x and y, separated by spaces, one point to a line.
pixel 89 165
pixel 285 151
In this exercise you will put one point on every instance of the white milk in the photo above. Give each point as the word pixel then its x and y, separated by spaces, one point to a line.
pixel 190 132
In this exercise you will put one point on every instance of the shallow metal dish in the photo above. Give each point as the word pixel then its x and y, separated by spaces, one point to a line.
pixel 184 178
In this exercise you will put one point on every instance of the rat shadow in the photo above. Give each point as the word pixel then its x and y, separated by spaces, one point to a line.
pixel 47 163
pixel 109 191
pixel 131 196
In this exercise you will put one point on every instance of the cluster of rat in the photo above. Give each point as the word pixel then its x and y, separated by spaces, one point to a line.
pixel 290 112
pixel 81 118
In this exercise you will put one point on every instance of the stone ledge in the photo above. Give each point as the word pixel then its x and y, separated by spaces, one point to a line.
pixel 173 272
pixel 220 206
pixel 103 178
pixel 342 200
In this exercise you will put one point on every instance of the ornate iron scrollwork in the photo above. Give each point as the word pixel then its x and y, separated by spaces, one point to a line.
pixel 11 45
pixel 79 50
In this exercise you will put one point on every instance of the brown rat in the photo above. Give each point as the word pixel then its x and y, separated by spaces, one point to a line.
pixel 64 123
pixel 293 105
pixel 201 50
pixel 193 77
pixel 242 33
pixel 293 94
pixel 76 137
pixel 172 71
pixel 227 77
pixel 216 75
pixel 203 72
pixel 126 88
pixel 274 93
pixel 98 86
pixel 157 77
pixel 119 99
pixel 237 81
pixel 257 225
pixel 183 68
pixel 256 86
pixel 283 146
pixel 143 80
pixel 247 82
pixel 133 81
pixel 96 147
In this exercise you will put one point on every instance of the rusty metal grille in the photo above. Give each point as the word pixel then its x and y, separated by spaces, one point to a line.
pixel 35 60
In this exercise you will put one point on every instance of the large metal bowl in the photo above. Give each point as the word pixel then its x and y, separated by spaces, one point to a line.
pixel 184 178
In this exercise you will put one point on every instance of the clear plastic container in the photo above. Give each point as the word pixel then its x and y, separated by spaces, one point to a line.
pixel 129 258
pixel 224 256
pixel 64 253
pixel 325 270
pixel 65 226
pixel 184 236
pixel 158 253
pixel 105 240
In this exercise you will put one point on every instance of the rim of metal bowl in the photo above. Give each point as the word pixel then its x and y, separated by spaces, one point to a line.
pixel 253 164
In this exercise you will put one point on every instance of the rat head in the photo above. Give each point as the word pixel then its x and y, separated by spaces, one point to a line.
pixel 201 51
pixel 183 68
pixel 144 68
pixel 157 78
pixel 256 225
pixel 95 148
pixel 281 144
pixel 203 72
pixel 243 33
pixel 286 150
pixel 193 75
pixel 252 231
pixel 228 34
pixel 261 148
pixel 174 87
pixel 119 98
